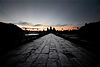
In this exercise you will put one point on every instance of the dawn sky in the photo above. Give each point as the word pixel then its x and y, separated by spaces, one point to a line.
pixel 40 14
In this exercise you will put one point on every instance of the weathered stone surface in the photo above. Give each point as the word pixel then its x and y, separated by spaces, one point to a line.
pixel 49 51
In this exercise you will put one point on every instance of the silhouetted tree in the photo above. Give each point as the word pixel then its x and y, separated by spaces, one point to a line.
pixel 9 34
pixel 90 31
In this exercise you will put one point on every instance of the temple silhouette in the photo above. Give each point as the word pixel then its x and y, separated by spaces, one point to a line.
pixel 52 29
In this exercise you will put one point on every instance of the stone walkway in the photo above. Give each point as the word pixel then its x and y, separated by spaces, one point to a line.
pixel 49 51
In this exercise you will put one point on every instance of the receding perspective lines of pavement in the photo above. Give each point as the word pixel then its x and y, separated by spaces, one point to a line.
pixel 49 51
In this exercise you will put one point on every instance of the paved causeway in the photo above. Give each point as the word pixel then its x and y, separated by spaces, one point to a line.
pixel 49 51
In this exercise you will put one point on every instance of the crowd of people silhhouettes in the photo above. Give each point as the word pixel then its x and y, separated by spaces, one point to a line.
pixel 10 33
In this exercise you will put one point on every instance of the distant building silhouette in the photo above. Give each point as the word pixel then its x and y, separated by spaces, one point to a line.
pixel 47 29
pixel 54 29
pixel 51 29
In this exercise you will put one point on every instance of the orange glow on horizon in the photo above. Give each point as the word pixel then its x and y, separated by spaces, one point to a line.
pixel 68 27
pixel 41 28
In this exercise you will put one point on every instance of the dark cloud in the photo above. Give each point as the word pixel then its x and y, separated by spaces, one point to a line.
pixel 98 11
pixel 60 25
pixel 27 23
pixel 48 0
pixel 30 28
pixel 38 25
pixel 23 23
pixel 74 27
